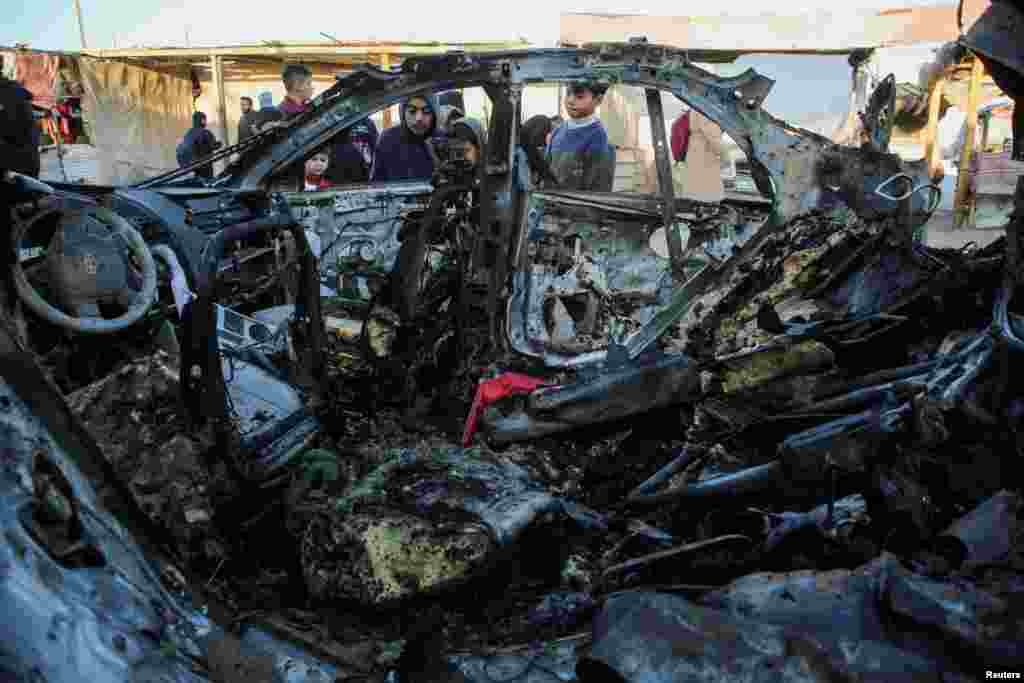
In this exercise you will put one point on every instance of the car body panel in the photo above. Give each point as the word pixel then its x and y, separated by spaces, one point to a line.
pixel 788 164
pixel 358 232
pixel 108 606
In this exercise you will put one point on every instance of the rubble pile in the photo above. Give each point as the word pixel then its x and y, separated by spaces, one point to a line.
pixel 828 496
pixel 526 434
pixel 831 506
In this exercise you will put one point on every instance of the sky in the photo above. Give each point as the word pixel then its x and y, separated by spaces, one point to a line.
pixel 50 24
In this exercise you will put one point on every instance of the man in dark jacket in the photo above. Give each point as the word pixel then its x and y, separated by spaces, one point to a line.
pixel 352 154
pixel 19 135
pixel 403 152
pixel 197 144
pixel 268 113
pixel 244 121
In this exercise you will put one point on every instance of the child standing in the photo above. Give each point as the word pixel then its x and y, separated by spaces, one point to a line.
pixel 579 154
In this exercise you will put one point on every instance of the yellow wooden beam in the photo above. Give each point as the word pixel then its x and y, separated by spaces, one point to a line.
pixel 961 204
pixel 385 63
pixel 220 96
pixel 931 147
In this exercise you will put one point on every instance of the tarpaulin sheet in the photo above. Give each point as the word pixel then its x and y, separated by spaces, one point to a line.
pixel 138 117
pixel 38 74
pixel 620 113
pixel 7 64
pixel 995 173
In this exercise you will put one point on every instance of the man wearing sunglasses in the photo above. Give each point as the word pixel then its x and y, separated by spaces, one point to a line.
pixel 579 154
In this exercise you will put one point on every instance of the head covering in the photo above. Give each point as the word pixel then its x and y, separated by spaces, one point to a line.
pixel 469 130
pixel 448 114
pixel 266 100
pixel 533 139
pixel 681 136
pixel 197 118
pixel 432 104
pixel 451 98
pixel 535 131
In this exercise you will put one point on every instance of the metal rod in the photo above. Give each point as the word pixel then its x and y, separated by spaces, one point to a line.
pixel 745 481
pixel 685 457
pixel 636 563
pixel 664 166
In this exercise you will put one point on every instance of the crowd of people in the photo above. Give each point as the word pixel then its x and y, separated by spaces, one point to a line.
pixel 570 154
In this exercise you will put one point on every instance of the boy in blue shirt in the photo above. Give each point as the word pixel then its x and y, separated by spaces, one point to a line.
pixel 579 154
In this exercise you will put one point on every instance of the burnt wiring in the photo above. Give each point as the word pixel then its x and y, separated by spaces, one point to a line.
pixel 375 296
pixel 438 291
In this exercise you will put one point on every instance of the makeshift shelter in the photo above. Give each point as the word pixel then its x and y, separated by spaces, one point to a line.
pixel 51 77
pixel 225 74
pixel 139 101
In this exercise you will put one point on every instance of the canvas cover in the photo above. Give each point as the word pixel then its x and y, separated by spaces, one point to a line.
pixel 138 116
pixel 620 113
pixel 37 72
pixel 7 61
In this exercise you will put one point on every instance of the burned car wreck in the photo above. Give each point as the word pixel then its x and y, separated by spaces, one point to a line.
pixel 321 413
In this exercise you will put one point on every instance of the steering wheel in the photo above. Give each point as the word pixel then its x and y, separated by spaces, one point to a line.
pixel 88 264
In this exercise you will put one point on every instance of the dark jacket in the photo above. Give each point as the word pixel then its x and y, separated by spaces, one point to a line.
pixel 352 154
pixel 19 134
pixel 245 126
pixel 401 155
pixel 533 139
pixel 198 142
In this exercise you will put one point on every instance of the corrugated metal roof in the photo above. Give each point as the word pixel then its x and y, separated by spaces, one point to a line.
pixel 322 50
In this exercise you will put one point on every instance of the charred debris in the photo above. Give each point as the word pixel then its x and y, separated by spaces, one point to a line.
pixel 801 468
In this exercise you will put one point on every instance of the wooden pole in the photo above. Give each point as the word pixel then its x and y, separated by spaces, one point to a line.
pixel 385 63
pixel 217 66
pixel 963 187
pixel 931 146
pixel 81 26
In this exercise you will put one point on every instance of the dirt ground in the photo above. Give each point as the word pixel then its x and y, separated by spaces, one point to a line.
pixel 941 233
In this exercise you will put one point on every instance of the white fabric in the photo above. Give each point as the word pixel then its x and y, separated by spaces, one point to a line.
pixel 7 62
pixel 138 116
pixel 179 289
pixel 179 284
